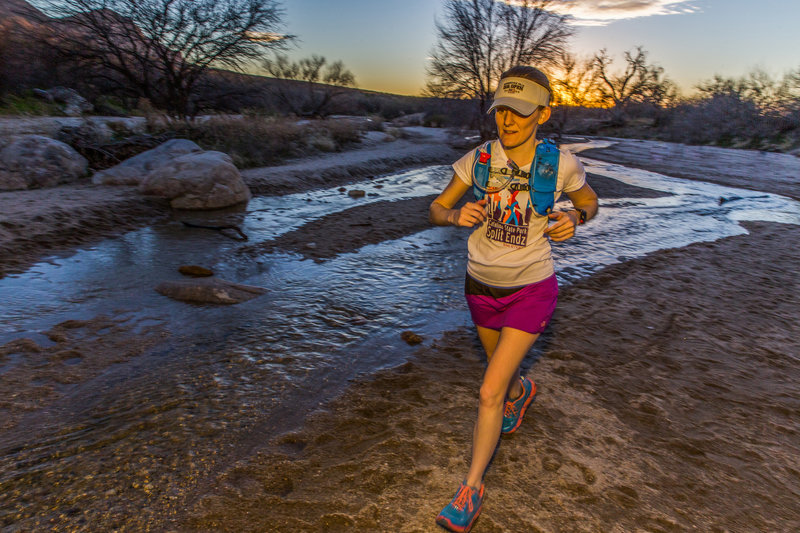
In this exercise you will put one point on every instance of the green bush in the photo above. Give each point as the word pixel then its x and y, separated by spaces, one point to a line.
pixel 28 104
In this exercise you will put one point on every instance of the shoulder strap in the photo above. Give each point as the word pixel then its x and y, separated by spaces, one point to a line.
pixel 544 177
pixel 480 169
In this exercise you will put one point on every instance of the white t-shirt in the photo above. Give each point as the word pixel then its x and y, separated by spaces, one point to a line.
pixel 509 248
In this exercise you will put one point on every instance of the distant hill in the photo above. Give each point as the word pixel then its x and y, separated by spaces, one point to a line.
pixel 21 64
pixel 25 64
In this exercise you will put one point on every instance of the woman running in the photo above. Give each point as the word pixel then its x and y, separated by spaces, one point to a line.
pixel 510 286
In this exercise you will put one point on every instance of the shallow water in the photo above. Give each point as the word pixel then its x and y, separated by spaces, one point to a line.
pixel 210 383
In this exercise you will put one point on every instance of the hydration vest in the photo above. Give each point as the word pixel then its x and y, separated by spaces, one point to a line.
pixel 541 179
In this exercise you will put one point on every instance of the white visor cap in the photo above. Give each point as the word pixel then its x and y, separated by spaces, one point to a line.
pixel 520 94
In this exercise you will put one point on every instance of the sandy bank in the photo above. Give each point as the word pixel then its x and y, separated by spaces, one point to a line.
pixel 38 223
pixel 419 147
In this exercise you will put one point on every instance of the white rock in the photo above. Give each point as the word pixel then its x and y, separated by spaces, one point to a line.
pixel 198 180
pixel 35 161
pixel 134 170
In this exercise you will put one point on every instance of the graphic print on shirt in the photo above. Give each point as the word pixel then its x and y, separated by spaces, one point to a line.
pixel 509 211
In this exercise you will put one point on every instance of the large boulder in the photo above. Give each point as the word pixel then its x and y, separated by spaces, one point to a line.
pixel 134 170
pixel 198 180
pixel 35 161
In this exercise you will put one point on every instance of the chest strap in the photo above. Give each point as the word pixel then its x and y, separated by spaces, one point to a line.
pixel 542 180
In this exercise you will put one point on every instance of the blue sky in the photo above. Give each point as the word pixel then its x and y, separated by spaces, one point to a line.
pixel 386 42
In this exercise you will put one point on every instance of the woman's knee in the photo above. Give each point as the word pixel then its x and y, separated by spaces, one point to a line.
pixel 492 395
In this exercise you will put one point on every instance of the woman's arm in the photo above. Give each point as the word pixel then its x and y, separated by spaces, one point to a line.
pixel 441 211
pixel 565 221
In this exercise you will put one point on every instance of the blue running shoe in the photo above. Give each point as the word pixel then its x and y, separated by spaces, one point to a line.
pixel 463 509
pixel 514 411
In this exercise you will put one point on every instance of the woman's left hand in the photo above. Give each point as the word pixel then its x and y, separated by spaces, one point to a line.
pixel 564 226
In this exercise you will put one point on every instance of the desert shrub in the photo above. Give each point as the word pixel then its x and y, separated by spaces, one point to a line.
pixel 343 133
pixel 436 120
pixel 754 111
pixel 249 141
pixel 392 134
pixel 389 106
pixel 121 128
pixel 724 120
pixel 374 123
pixel 322 143
pixel 254 141
pixel 110 106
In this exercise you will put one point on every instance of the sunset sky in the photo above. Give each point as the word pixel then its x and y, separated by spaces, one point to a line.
pixel 386 42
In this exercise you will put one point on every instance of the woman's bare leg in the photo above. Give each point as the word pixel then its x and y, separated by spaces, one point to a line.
pixel 489 338
pixel 509 350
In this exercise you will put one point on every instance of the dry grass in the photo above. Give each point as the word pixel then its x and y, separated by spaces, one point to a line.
pixel 254 141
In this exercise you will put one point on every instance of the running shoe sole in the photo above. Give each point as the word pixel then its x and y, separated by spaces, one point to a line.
pixel 445 523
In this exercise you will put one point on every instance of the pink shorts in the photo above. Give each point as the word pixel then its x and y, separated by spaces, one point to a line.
pixel 528 309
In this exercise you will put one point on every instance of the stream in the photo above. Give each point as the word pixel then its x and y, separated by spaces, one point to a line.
pixel 131 437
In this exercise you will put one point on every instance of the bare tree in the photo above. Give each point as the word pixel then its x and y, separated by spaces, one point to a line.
pixel 479 39
pixel 789 94
pixel 639 82
pixel 322 82
pixel 769 95
pixel 770 106
pixel 160 49
pixel 575 85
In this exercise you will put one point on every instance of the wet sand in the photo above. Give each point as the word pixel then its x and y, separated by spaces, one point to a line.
pixel 668 402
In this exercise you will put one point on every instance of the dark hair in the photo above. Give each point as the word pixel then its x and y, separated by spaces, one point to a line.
pixel 529 73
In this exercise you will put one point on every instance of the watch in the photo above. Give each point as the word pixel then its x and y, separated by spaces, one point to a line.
pixel 581 215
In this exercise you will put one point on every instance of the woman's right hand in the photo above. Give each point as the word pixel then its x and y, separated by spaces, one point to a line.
pixel 470 214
